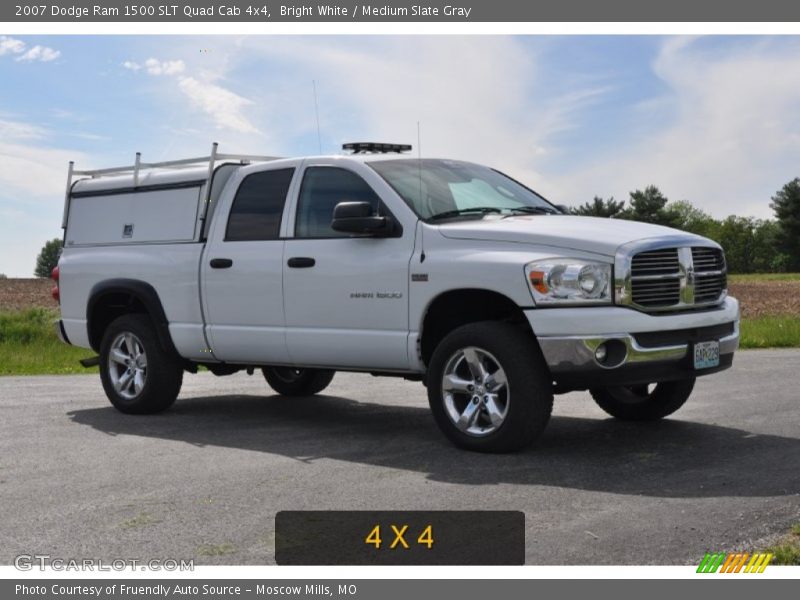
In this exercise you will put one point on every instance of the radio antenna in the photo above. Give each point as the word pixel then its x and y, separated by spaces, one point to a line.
pixel 419 159
pixel 316 112
pixel 419 173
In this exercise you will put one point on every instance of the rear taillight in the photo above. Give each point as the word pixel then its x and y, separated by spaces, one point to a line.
pixel 54 277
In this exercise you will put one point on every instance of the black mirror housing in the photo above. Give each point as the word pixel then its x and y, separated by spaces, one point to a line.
pixel 351 210
pixel 358 217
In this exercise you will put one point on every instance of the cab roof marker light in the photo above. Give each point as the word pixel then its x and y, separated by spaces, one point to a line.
pixel 375 147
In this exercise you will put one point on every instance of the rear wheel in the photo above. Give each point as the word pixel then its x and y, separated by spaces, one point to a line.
pixel 289 381
pixel 644 402
pixel 138 375
pixel 489 388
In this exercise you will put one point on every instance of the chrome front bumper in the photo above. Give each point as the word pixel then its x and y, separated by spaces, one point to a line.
pixel 575 353
pixel 646 348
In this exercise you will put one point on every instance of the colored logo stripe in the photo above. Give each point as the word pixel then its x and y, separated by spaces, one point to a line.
pixel 734 563
pixel 711 562
pixel 758 563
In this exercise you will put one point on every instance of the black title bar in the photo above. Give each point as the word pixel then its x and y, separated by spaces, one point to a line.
pixel 256 11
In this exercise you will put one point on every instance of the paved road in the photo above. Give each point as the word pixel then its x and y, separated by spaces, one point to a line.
pixel 205 479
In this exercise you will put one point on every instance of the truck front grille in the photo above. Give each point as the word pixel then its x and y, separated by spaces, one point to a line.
pixel 710 276
pixel 673 278
pixel 655 278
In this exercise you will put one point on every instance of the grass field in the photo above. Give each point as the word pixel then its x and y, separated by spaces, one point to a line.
pixel 745 277
pixel 787 549
pixel 780 331
pixel 28 345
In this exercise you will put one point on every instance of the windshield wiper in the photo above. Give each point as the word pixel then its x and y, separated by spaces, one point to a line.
pixel 480 210
pixel 532 210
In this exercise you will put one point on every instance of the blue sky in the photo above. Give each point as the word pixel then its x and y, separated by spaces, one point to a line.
pixel 714 120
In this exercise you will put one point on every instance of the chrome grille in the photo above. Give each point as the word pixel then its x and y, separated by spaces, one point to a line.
pixel 657 293
pixel 707 259
pixel 656 262
pixel 710 278
pixel 670 276
pixel 655 278
pixel 708 289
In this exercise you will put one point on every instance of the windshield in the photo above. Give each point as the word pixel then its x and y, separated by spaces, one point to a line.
pixel 436 188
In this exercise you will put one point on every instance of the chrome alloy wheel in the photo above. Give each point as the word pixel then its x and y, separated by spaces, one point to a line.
pixel 475 391
pixel 127 365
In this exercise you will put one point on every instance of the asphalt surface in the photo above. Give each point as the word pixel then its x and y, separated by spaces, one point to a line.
pixel 204 480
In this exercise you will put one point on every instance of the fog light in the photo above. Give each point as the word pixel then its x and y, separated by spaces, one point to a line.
pixel 600 353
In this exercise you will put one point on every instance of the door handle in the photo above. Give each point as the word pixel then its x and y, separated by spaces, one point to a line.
pixel 221 263
pixel 301 262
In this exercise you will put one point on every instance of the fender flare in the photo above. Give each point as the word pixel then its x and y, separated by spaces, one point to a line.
pixel 138 290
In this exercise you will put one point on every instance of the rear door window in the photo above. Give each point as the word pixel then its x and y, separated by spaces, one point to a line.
pixel 258 206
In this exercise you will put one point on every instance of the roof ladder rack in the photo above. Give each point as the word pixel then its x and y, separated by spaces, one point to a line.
pixel 138 166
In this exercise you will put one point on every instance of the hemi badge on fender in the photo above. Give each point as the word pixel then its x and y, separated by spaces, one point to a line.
pixel 419 277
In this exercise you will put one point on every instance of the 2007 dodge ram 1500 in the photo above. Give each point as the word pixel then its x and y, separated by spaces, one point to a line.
pixel 442 271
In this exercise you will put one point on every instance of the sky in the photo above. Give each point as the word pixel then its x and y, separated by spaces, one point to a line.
pixel 713 120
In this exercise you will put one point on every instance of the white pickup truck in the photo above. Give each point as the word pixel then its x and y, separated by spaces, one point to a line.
pixel 441 271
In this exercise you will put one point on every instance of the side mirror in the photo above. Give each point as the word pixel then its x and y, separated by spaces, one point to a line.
pixel 357 217
pixel 564 209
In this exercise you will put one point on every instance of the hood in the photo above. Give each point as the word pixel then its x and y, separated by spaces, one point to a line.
pixel 586 234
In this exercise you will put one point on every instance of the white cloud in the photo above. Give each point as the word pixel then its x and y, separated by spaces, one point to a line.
pixel 84 135
pixel 33 179
pixel 725 133
pixel 35 170
pixel 167 67
pixel 10 45
pixel 153 66
pixel 40 53
pixel 730 135
pixel 19 48
pixel 223 106
pixel 15 130
pixel 723 130
pixel 33 176
pixel 475 97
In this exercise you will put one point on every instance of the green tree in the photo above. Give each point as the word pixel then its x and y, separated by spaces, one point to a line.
pixel 600 208
pixel 648 206
pixel 786 204
pixel 736 238
pixel 768 257
pixel 683 215
pixel 48 258
pixel 749 244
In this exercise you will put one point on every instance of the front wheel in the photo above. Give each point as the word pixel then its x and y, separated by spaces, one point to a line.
pixel 489 388
pixel 289 381
pixel 644 402
pixel 138 375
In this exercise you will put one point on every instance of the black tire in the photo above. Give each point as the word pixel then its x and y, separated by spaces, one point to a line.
pixel 641 403
pixel 162 373
pixel 288 381
pixel 526 399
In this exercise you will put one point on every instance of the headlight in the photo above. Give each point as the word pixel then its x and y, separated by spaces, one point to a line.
pixel 569 281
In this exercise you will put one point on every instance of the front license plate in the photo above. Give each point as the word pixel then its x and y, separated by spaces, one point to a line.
pixel 706 355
